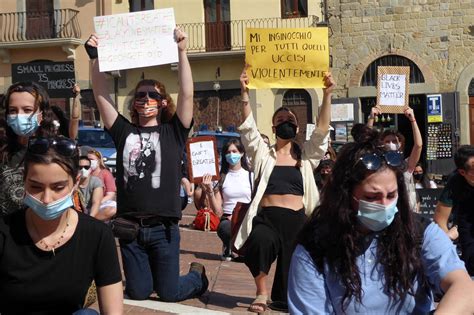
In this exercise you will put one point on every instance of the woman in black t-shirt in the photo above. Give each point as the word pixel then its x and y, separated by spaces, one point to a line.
pixel 49 253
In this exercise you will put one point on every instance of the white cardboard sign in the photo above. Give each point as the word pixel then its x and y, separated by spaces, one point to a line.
pixel 135 40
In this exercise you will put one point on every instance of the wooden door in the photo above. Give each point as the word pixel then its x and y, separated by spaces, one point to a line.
pixel 217 18
pixel 39 19
pixel 299 101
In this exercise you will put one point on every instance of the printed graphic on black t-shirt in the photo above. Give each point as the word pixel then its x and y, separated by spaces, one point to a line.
pixel 142 160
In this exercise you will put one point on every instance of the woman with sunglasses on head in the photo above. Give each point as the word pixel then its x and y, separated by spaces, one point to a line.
pixel 286 193
pixel 108 205
pixel 149 155
pixel 394 140
pixel 363 251
pixel 50 253
pixel 27 113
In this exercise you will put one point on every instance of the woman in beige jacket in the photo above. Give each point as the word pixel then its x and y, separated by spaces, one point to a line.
pixel 286 193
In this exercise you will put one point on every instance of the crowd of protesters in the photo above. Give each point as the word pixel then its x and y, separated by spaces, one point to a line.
pixel 343 229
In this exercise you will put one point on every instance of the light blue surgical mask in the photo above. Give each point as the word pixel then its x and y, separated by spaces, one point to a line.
pixel 375 216
pixel 233 158
pixel 50 211
pixel 23 124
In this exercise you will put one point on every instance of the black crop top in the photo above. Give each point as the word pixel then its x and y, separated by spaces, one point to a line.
pixel 285 180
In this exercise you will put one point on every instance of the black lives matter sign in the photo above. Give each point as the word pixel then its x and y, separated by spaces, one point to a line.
pixel 57 78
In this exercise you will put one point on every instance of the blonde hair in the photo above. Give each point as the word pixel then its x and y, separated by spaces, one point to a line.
pixel 99 156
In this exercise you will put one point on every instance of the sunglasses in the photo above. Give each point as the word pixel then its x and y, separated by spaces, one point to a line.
pixel 152 94
pixel 64 146
pixel 373 161
pixel 86 167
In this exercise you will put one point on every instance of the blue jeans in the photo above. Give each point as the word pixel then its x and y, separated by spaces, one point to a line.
pixel 151 262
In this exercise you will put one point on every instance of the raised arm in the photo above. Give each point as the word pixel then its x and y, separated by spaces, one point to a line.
pixel 105 104
pixel 75 112
pixel 324 118
pixel 374 112
pixel 417 141
pixel 244 91
pixel 184 107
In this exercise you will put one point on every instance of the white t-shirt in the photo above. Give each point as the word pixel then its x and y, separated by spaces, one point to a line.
pixel 236 188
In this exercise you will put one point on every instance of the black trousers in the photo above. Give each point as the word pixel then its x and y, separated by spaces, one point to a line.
pixel 273 237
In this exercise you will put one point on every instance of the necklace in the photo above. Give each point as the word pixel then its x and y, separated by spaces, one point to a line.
pixel 56 243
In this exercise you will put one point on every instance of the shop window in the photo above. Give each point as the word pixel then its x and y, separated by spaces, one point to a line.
pixel 294 8
pixel 370 75
pixel 141 5
pixel 471 88
pixel 299 101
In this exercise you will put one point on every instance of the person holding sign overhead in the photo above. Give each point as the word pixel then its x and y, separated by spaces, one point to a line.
pixel 395 141
pixel 148 179
pixel 286 193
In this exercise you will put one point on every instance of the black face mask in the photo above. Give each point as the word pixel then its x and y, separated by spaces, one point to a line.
pixel 286 130
pixel 418 177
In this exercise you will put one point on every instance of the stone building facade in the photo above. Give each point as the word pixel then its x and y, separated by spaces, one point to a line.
pixel 436 37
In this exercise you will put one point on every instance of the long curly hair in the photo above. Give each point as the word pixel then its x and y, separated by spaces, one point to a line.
pixel 46 127
pixel 166 113
pixel 331 235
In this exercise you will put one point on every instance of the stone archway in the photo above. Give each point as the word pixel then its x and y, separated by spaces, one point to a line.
pixel 356 90
pixel 465 108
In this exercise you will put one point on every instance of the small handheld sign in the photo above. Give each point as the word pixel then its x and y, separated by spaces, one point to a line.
pixel 392 89
pixel 202 158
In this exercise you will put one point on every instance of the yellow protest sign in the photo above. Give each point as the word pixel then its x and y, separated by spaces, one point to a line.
pixel 286 57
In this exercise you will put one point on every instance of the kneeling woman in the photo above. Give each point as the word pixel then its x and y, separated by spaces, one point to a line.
pixel 50 253
pixel 286 194
pixel 364 251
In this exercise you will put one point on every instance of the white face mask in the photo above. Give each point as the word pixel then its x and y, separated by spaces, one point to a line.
pixel 85 173
pixel 94 164
pixel 392 146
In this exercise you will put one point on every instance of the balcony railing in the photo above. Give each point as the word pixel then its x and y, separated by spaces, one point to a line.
pixel 25 26
pixel 226 36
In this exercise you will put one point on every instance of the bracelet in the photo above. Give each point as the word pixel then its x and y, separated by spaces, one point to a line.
pixel 210 193
pixel 245 100
pixel 74 117
pixel 413 120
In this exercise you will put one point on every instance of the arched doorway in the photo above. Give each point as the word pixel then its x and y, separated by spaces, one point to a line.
pixel 299 100
pixel 416 101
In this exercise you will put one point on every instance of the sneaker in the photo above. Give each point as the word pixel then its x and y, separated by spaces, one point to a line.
pixel 201 270
pixel 226 258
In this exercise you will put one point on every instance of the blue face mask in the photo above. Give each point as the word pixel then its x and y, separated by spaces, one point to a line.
pixel 233 158
pixel 23 124
pixel 50 211
pixel 376 217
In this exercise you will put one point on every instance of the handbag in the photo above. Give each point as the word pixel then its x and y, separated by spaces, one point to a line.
pixel 206 220
pixel 238 216
pixel 124 229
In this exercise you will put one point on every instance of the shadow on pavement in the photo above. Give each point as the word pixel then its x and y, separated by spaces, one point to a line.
pixel 201 255
pixel 228 301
